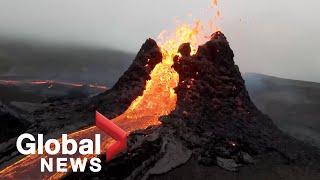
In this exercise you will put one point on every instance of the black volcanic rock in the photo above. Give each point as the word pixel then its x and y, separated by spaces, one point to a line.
pixel 214 115
pixel 131 84
pixel 12 124
pixel 214 123
pixel 212 98
pixel 185 49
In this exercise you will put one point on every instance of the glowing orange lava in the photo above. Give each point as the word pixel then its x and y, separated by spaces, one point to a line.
pixel 158 99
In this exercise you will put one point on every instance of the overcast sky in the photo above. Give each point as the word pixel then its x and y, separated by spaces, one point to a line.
pixel 276 37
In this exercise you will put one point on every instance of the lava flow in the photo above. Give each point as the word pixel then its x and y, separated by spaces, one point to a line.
pixel 158 99
pixel 51 83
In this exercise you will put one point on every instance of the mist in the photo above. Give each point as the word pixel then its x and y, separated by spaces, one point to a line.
pixel 272 37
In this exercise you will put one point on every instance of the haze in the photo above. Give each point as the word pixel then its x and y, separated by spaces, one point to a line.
pixel 268 36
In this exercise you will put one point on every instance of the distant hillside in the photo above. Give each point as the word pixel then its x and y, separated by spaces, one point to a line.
pixel 48 61
pixel 293 105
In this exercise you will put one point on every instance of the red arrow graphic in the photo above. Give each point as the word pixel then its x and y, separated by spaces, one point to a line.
pixel 115 132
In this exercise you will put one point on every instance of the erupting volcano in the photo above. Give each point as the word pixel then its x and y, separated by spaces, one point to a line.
pixel 157 99
pixel 184 102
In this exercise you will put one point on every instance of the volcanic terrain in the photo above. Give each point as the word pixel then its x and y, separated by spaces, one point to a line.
pixel 214 124
pixel 189 117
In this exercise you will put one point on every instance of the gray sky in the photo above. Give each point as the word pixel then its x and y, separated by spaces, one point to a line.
pixel 276 37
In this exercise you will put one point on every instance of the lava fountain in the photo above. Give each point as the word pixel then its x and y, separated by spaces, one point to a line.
pixel 158 99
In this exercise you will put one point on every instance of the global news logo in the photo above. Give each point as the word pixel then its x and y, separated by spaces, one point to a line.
pixel 68 154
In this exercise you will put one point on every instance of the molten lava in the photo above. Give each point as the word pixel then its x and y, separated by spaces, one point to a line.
pixel 158 99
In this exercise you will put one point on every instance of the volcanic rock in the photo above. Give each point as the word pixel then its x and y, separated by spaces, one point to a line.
pixel 228 164
pixel 214 123
pixel 185 49
pixel 131 84
pixel 12 124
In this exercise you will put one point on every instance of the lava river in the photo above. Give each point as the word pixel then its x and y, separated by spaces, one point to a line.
pixel 158 99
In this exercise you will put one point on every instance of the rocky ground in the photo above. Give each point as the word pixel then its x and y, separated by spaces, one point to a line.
pixel 11 123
